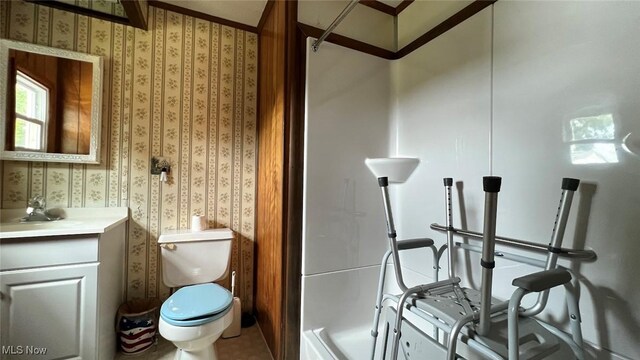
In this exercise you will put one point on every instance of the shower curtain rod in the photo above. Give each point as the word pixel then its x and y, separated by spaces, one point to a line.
pixel 336 22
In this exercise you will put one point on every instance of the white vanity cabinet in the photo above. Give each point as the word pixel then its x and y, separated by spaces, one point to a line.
pixel 52 309
pixel 60 293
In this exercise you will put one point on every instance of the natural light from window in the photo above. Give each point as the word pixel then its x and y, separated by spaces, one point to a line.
pixel 592 140
pixel 31 114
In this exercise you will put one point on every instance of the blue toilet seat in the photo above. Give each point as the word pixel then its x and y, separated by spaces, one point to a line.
pixel 196 305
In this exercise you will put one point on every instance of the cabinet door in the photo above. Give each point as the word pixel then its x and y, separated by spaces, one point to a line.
pixel 49 313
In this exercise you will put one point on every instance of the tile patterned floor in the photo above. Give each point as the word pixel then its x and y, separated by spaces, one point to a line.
pixel 249 345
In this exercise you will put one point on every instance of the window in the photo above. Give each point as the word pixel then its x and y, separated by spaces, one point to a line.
pixel 31 114
pixel 592 140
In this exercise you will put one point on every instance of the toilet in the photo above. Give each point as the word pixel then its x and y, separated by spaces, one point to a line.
pixel 195 316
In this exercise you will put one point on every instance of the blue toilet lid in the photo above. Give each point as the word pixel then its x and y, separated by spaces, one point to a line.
pixel 196 301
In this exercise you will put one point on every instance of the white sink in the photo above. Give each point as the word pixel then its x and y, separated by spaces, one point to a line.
pixel 397 170
pixel 74 221
pixel 38 225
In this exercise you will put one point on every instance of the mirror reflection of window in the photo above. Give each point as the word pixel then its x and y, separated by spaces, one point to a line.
pixel 31 114
pixel 592 140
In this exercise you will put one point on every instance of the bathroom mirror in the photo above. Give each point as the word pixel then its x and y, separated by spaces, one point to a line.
pixel 50 104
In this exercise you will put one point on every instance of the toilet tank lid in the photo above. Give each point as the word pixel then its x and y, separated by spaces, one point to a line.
pixel 186 235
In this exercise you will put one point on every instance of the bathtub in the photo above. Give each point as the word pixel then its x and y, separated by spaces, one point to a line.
pixel 337 313
pixel 351 344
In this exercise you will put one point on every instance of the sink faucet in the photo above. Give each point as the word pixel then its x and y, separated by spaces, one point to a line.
pixel 36 205
pixel 36 210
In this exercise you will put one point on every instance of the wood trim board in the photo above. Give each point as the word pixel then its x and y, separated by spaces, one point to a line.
pixel 265 12
pixel 294 185
pixel 377 5
pixel 387 9
pixel 403 5
pixel 136 13
pixel 446 25
pixel 310 31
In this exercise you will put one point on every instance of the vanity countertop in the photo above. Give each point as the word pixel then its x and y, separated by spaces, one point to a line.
pixel 75 221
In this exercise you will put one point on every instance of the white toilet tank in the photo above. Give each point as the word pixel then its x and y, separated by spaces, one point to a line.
pixel 194 257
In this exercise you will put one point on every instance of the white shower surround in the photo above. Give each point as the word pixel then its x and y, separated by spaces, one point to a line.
pixel 347 112
pixel 491 96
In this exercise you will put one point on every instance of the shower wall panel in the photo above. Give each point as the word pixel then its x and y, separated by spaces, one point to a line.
pixel 443 116
pixel 566 84
pixel 348 101
pixel 534 92
pixel 347 120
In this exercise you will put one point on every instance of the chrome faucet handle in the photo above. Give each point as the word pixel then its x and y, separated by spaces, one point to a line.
pixel 36 203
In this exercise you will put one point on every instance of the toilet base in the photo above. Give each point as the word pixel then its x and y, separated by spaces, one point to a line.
pixel 207 353
pixel 195 342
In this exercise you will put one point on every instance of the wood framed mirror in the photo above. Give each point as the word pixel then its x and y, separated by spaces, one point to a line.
pixel 50 104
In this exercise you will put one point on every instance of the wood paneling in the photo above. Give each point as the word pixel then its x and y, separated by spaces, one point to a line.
pixel 271 163
pixel 265 12
pixel 294 130
pixel 74 106
pixel 280 160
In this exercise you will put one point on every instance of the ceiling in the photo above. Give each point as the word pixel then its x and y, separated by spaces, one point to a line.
pixel 392 3
pixel 246 12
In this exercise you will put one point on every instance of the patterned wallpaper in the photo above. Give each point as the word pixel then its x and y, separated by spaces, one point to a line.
pixel 185 90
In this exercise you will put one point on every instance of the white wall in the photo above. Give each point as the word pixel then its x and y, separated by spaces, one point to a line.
pixel 442 113
pixel 421 15
pixel 347 114
pixel 500 99
pixel 344 237
pixel 555 63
